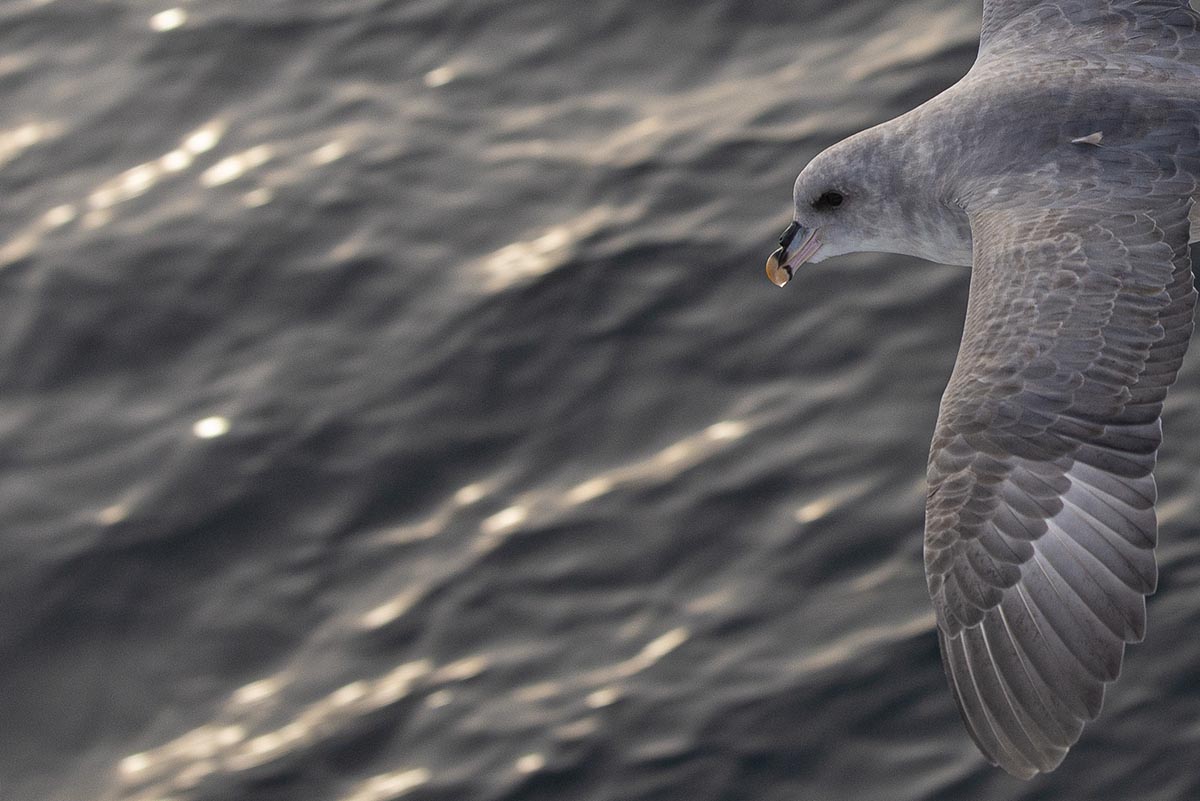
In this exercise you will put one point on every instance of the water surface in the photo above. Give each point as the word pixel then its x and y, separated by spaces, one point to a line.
pixel 393 405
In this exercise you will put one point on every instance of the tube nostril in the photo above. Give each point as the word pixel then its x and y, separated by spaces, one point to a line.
pixel 788 235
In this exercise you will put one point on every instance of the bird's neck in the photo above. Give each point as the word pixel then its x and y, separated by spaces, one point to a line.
pixel 913 168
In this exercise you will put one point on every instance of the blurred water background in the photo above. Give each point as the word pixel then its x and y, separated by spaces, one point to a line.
pixel 393 405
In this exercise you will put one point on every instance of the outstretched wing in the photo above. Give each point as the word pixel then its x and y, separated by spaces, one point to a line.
pixel 1142 25
pixel 1040 523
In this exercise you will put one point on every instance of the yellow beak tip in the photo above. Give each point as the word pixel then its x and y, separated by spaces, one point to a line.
pixel 776 272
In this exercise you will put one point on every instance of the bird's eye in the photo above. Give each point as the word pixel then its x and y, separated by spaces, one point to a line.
pixel 829 200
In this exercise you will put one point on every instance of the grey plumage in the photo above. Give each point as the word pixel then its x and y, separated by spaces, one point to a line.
pixel 1064 168
pixel 1040 523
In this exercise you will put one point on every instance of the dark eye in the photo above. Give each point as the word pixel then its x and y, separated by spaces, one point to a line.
pixel 829 200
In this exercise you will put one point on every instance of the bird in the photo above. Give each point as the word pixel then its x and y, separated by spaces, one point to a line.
pixel 1064 170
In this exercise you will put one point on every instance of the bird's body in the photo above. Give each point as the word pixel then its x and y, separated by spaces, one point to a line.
pixel 1063 168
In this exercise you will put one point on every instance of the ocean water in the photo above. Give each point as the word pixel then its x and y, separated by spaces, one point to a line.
pixel 393 405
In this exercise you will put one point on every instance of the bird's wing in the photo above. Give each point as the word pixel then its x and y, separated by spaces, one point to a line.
pixel 1040 524
pixel 1142 25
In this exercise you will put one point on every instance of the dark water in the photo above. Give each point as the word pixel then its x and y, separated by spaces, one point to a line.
pixel 393 405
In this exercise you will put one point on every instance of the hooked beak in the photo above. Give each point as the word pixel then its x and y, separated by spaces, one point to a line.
pixel 784 260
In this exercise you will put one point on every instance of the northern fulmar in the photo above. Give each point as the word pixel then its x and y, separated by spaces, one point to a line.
pixel 1063 169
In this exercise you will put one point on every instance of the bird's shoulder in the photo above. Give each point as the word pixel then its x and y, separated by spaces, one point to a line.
pixel 1117 35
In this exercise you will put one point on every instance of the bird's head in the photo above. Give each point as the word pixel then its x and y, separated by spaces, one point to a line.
pixel 840 207
pixel 875 192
